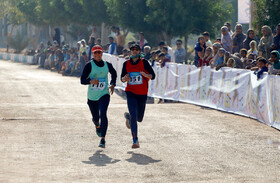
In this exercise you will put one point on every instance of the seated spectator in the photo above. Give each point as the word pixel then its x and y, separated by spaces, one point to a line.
pixel 250 62
pixel 207 39
pixel 261 68
pixel 226 39
pixel 199 48
pixel 162 59
pixel 147 52
pixel 218 40
pixel 179 53
pixel 207 57
pixel 265 42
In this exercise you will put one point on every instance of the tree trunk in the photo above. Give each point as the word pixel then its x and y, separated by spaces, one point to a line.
pixel 167 38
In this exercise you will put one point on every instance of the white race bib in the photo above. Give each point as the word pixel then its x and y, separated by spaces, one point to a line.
pixel 100 86
pixel 136 78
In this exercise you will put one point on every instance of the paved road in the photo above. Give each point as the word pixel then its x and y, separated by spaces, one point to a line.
pixel 46 135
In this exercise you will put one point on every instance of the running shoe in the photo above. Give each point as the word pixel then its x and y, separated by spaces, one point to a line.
pixel 135 144
pixel 102 143
pixel 98 131
pixel 127 117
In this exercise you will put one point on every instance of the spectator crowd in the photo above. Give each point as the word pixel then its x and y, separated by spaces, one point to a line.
pixel 233 49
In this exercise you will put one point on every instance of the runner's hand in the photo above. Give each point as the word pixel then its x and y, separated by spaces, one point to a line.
pixel 146 75
pixel 112 89
pixel 126 78
pixel 95 81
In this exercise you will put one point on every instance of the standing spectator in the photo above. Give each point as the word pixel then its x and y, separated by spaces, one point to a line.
pixel 120 41
pixel 276 39
pixel 229 30
pixel 199 48
pixel 207 39
pixel 153 58
pixel 244 59
pixel 221 57
pixel 147 52
pixel 142 41
pixel 56 36
pixel 125 54
pixel 250 37
pixel 179 53
pixel 130 43
pixel 113 46
pixel 226 39
pixel 91 45
pixel 237 39
pixel 265 42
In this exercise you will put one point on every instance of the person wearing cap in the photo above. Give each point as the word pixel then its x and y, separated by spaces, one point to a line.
pixel 136 72
pixel 95 75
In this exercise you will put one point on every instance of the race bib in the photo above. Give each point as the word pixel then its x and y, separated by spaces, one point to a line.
pixel 136 78
pixel 100 86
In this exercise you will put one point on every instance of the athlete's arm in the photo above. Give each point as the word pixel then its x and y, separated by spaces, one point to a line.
pixel 124 73
pixel 84 78
pixel 149 69
pixel 113 73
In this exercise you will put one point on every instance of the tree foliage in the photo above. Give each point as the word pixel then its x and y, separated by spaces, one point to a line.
pixel 266 13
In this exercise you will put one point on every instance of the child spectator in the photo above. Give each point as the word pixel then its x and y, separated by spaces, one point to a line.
pixel 243 54
pixel 207 39
pixel 199 48
pixel 253 48
pixel 207 58
pixel 221 56
pixel 162 59
pixel 261 68
pixel 165 51
pixel 274 59
pixel 231 63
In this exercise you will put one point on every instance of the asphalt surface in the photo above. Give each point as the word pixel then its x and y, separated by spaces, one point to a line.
pixel 46 135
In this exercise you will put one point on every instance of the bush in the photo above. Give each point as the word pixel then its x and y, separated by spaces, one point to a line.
pixel 19 42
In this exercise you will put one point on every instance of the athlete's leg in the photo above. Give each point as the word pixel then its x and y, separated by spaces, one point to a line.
pixel 142 99
pixel 93 106
pixel 103 106
pixel 132 108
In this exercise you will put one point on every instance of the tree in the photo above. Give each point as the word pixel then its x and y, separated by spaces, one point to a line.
pixel 266 12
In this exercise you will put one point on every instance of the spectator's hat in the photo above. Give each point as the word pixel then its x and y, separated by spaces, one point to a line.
pixel 96 48
pixel 135 46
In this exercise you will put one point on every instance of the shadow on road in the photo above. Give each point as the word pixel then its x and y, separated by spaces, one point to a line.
pixel 140 159
pixel 100 159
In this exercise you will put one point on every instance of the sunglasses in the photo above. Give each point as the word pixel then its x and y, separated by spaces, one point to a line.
pixel 97 52
pixel 134 49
